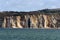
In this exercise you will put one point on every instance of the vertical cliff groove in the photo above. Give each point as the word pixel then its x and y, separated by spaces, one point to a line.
pixel 18 19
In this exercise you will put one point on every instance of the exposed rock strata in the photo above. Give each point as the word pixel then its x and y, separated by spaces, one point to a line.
pixel 34 19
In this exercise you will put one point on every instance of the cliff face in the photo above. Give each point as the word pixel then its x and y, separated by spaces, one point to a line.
pixel 36 19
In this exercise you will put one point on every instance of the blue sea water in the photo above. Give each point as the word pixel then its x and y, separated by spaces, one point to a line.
pixel 29 34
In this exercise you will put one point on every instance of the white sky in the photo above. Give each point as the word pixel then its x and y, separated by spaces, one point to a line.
pixel 28 5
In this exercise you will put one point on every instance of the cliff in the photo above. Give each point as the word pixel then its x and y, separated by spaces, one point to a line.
pixel 47 18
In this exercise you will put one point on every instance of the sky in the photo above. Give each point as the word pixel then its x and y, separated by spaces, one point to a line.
pixel 28 5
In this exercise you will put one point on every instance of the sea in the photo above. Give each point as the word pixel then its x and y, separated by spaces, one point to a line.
pixel 29 34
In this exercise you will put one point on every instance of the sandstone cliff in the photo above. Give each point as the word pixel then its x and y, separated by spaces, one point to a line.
pixel 46 18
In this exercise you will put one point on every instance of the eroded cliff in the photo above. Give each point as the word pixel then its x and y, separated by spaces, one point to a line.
pixel 34 19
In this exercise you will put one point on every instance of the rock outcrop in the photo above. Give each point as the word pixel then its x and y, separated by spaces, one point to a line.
pixel 47 18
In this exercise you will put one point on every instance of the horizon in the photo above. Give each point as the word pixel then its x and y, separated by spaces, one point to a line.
pixel 28 5
pixel 30 11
